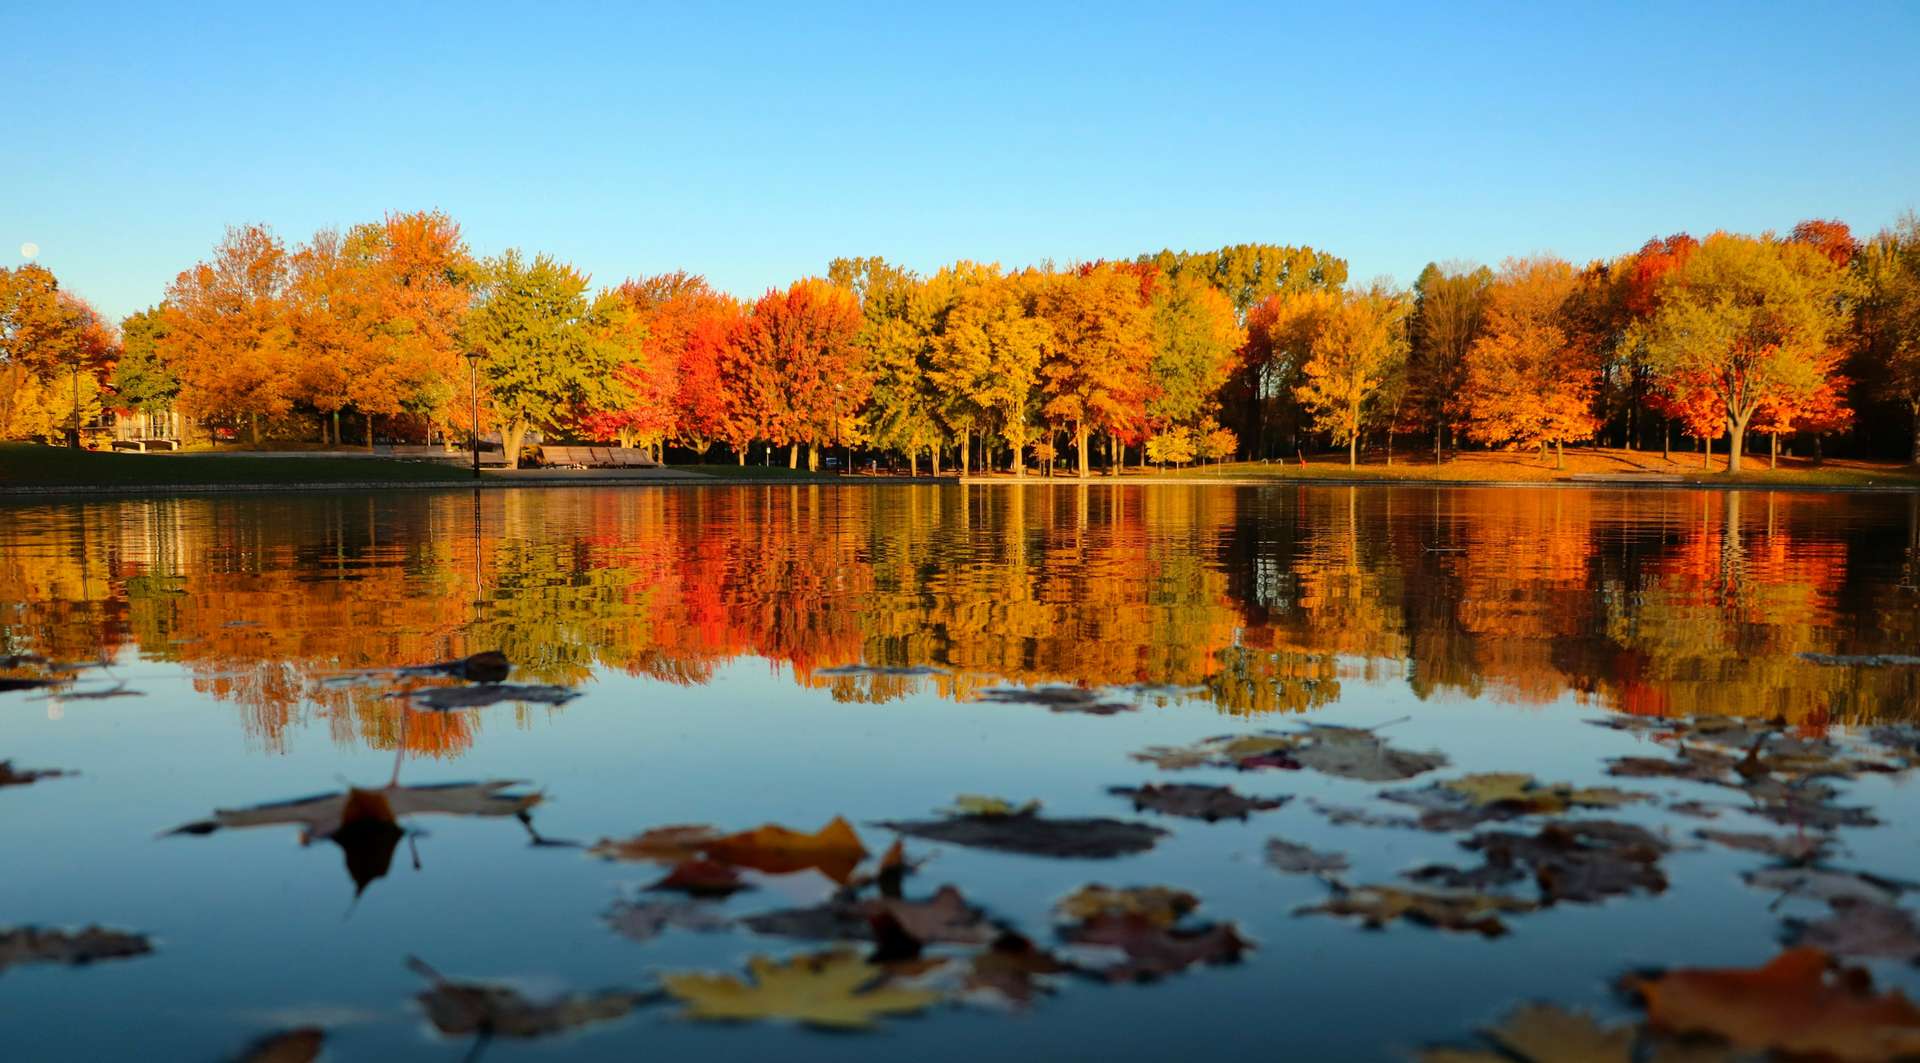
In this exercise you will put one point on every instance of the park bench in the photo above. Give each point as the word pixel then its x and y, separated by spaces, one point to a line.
pixel 553 456
pixel 144 445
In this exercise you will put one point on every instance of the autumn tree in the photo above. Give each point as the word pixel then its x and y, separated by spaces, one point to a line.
pixel 1099 348
pixel 48 338
pixel 227 334
pixel 543 346
pixel 1449 306
pixel 898 315
pixel 985 357
pixel 1250 276
pixel 801 365
pixel 1889 271
pixel 1531 374
pixel 1197 340
pixel 1755 319
pixel 1639 280
pixel 1359 345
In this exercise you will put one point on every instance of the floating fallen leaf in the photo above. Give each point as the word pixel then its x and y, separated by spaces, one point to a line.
pixel 460 1009
pixel 288 1046
pixel 9 776
pixel 1474 879
pixel 1194 801
pixel 1154 951
pixel 661 845
pixel 1457 804
pixel 1797 848
pixel 1174 758
pixel 474 697
pixel 1057 699
pixel 834 850
pixel 702 878
pixel 1376 906
pixel 944 918
pixel 1581 861
pixel 1861 928
pixel 1795 1004
pixel 1545 1033
pixel 1012 969
pixel 32 944
pixel 1822 884
pixel 1294 859
pixel 838 990
pixel 1344 752
pixel 1814 814
pixel 1357 753
pixel 1161 905
pixel 1354 816
pixel 645 920
pixel 365 823
pixel 1036 835
pixel 982 805
pixel 855 670
pixel 1690 765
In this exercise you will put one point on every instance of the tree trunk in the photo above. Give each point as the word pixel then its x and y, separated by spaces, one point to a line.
pixel 813 457
pixel 1353 450
pixel 1773 451
pixel 369 418
pixel 1736 441
pixel 1438 430
pixel 1116 453
pixel 1018 461
pixel 741 456
pixel 933 458
pixel 966 452
pixel 1080 440
pixel 510 437
pixel 1559 456
pixel 323 431
pixel 1916 433
pixel 913 461
pixel 1666 439
pixel 1389 447
pixel 253 419
pixel 793 455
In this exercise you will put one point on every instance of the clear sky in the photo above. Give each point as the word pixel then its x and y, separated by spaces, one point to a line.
pixel 753 143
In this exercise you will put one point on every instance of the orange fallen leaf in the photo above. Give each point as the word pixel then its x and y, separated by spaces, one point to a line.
pixel 834 850
pixel 1796 1004
pixel 662 845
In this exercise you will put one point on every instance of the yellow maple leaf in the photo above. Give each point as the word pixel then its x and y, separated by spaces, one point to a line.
pixel 834 989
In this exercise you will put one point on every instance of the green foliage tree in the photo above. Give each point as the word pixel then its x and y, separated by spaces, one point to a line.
pixel 141 381
pixel 543 356
pixel 1449 306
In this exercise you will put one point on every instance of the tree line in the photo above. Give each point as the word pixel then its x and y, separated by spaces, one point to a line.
pixel 1251 351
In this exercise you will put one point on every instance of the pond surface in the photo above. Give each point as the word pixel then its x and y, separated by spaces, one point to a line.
pixel 744 655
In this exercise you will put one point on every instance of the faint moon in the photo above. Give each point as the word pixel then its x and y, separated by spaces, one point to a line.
pixel 29 249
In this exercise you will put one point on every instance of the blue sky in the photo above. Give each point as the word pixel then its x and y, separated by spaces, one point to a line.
pixel 753 144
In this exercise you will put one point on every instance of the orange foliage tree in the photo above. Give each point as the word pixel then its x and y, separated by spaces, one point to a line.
pixel 1531 376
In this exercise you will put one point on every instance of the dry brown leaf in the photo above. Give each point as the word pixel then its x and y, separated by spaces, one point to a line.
pixel 1795 1004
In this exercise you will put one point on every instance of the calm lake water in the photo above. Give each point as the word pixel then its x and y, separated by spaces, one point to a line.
pixel 767 654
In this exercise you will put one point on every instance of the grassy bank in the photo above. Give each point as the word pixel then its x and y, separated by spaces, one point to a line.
pixel 33 465
pixel 1500 467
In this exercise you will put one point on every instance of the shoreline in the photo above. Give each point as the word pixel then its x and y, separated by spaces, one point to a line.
pixel 496 482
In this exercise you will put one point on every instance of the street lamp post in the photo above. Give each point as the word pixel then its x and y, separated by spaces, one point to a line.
pixel 73 440
pixel 473 381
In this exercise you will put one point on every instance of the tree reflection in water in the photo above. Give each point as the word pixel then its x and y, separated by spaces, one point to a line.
pixel 1258 600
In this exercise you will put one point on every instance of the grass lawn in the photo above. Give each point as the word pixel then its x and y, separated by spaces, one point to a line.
pixel 721 471
pixel 1527 467
pixel 31 464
